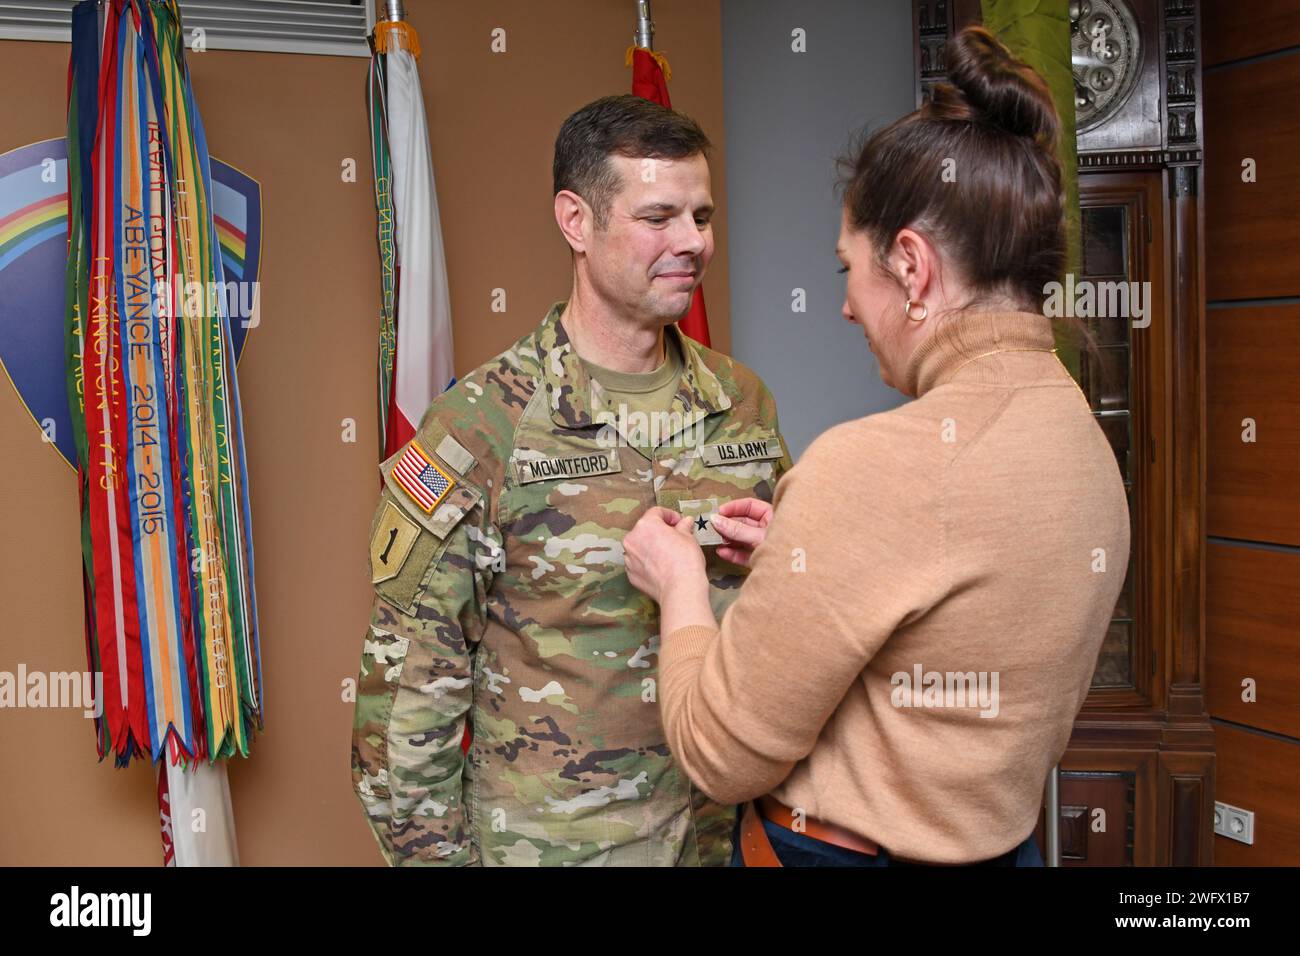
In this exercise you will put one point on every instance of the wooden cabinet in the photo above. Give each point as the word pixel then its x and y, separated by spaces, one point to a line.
pixel 1143 739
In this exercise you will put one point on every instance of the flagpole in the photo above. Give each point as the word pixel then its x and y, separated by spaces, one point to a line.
pixel 645 25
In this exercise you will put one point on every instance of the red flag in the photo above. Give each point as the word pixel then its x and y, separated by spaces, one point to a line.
pixel 650 75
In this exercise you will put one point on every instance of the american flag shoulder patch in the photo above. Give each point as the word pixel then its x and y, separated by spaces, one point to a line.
pixel 421 478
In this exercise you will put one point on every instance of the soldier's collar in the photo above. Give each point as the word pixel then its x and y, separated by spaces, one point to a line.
pixel 576 400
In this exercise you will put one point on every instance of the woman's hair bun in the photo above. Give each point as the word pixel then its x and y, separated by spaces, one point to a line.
pixel 988 84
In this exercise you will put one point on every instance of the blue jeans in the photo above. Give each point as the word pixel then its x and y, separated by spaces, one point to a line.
pixel 799 849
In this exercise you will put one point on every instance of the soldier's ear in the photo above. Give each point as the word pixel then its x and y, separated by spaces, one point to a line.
pixel 574 217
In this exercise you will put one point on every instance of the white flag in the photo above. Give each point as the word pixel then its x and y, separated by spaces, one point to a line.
pixel 199 814
pixel 423 366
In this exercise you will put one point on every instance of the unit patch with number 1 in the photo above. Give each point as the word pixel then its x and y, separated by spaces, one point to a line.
pixel 391 544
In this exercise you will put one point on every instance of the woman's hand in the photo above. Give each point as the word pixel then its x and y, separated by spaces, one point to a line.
pixel 743 524
pixel 662 555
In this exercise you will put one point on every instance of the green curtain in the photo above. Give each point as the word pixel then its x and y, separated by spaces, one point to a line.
pixel 1038 32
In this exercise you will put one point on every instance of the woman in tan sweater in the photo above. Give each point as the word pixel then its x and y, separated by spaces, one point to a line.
pixel 924 610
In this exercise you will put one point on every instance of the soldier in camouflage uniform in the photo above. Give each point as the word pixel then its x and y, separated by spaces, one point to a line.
pixel 501 598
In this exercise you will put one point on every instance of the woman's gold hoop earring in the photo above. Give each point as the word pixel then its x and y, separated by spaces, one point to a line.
pixel 907 311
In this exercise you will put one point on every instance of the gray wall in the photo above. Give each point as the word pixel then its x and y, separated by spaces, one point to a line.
pixel 788 115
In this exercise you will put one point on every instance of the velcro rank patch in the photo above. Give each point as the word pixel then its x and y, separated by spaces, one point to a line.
pixel 455 454
pixel 700 512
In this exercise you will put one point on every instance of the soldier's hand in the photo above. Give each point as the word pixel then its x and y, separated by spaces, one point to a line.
pixel 743 523
pixel 660 552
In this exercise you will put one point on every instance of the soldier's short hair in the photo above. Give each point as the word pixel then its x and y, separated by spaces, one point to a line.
pixel 627 125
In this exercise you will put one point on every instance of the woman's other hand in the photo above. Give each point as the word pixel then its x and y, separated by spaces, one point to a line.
pixel 743 524
pixel 661 554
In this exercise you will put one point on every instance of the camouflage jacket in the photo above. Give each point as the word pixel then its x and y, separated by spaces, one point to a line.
pixel 501 596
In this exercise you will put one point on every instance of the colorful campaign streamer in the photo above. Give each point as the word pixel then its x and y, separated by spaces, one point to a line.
pixel 167 533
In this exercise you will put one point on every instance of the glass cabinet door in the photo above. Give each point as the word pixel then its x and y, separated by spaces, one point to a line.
pixel 1105 379
pixel 1122 225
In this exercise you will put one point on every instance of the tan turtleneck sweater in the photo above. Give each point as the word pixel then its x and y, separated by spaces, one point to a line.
pixel 923 618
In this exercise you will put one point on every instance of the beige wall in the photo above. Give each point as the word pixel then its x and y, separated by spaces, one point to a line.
pixel 289 121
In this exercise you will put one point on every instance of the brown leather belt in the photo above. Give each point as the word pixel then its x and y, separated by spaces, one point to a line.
pixel 756 848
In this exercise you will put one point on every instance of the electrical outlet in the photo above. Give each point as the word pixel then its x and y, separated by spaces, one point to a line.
pixel 1234 823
